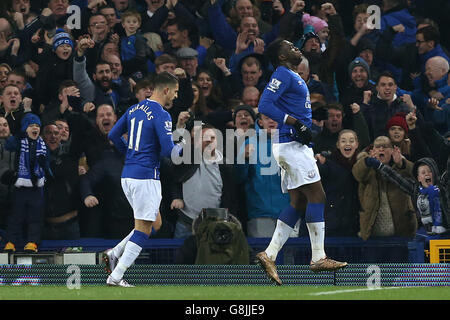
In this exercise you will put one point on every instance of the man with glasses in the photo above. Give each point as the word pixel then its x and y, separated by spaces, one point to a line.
pixel 385 209
pixel 100 33
pixel 410 57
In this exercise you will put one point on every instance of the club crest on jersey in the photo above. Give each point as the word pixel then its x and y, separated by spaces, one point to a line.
pixel 274 85
pixel 311 174
pixel 168 125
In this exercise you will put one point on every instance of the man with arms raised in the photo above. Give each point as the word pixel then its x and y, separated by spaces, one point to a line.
pixel 286 100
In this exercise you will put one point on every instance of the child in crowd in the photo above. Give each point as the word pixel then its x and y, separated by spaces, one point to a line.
pixel 28 180
pixel 55 66
pixel 341 188
pixel 133 46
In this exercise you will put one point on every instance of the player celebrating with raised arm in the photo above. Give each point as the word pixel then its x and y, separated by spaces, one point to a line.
pixel 286 100
pixel 149 131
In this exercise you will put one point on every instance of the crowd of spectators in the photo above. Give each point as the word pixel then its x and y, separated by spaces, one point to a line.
pixel 379 89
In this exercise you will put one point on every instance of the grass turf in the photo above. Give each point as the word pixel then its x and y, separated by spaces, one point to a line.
pixel 222 293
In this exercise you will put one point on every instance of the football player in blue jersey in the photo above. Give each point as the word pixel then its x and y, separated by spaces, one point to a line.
pixel 286 100
pixel 148 128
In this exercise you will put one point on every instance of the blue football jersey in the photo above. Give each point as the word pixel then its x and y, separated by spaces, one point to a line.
pixel 286 94
pixel 149 130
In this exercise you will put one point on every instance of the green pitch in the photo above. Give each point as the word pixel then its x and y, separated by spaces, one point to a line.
pixel 223 293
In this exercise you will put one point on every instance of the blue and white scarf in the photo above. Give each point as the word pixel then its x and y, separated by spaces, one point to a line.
pixel 24 173
pixel 429 206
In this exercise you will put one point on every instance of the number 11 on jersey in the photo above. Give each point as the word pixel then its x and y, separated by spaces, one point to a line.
pixel 138 135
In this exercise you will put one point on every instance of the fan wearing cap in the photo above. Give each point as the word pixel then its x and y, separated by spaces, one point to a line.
pixel 188 60
pixel 27 197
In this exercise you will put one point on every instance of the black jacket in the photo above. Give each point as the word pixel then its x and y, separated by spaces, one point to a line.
pixel 51 73
pixel 62 192
pixel 378 113
pixel 103 180
pixel 342 206
pixel 350 95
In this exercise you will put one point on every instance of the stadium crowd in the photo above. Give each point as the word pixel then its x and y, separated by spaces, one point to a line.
pixel 379 89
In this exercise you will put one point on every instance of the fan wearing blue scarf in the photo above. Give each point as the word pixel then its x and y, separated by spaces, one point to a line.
pixel 28 196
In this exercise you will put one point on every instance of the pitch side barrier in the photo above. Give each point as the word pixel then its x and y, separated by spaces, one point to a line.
pixel 295 252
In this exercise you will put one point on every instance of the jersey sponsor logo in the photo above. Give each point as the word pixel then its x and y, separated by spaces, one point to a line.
pixel 308 102
pixel 274 85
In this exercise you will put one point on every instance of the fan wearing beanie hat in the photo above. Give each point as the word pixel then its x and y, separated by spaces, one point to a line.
pixel 62 44
pixel 28 177
pixel 320 27
pixel 358 77
pixel 308 33
pixel 397 131
pixel 31 124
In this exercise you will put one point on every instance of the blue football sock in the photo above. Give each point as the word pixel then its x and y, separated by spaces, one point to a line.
pixel 314 212
pixel 289 216
pixel 316 229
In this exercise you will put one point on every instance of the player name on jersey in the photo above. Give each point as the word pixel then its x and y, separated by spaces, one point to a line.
pixel 144 108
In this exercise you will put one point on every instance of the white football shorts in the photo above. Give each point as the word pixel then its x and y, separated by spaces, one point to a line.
pixel 297 163
pixel 144 197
